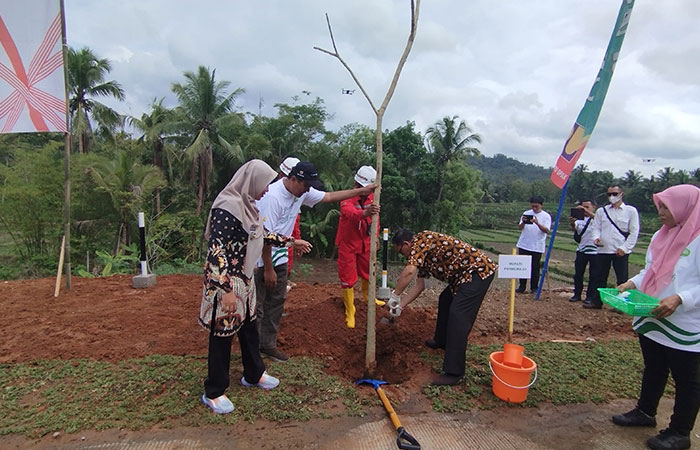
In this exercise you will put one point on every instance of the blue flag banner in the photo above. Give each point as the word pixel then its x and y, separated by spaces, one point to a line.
pixel 587 118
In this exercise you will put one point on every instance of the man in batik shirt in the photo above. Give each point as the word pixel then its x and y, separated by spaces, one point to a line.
pixel 468 273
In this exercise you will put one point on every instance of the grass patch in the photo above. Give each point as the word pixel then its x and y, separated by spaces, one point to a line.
pixel 46 396
pixel 567 373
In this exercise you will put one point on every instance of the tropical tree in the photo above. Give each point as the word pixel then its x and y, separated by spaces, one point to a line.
pixel 86 81
pixel 128 183
pixel 632 178
pixel 204 108
pixel 154 127
pixel 449 141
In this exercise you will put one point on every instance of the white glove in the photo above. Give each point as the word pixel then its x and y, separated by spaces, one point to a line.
pixel 394 300
pixel 395 311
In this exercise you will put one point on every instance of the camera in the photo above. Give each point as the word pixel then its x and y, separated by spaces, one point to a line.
pixel 577 213
pixel 527 218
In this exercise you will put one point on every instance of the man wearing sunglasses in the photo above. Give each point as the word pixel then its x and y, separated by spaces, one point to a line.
pixel 614 231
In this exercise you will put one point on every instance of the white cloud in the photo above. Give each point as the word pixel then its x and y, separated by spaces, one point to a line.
pixel 517 72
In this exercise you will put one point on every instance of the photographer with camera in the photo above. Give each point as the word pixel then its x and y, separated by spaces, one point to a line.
pixel 580 220
pixel 534 225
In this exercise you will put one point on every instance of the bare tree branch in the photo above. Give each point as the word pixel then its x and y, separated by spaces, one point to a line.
pixel 370 363
pixel 335 54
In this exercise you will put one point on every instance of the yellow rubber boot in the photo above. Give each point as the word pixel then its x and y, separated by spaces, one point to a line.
pixel 349 301
pixel 365 293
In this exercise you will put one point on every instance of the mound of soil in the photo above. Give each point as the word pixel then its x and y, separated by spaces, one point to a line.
pixel 107 319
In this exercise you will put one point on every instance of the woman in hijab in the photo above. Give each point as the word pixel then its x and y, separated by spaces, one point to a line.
pixel 236 236
pixel 670 341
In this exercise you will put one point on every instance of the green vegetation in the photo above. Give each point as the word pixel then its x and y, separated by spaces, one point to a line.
pixel 46 396
pixel 178 159
pixel 567 373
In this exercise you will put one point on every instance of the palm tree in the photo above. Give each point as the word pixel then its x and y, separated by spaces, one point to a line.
pixel 449 141
pixel 204 107
pixel 86 80
pixel 128 183
pixel 632 178
pixel 153 127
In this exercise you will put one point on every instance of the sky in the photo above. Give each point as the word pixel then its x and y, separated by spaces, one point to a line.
pixel 517 72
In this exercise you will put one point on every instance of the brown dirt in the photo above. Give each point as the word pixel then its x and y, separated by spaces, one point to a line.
pixel 107 319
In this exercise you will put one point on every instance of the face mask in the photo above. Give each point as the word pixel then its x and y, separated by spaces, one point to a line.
pixel 614 198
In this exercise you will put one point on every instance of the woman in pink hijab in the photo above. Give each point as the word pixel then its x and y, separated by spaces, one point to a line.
pixel 670 340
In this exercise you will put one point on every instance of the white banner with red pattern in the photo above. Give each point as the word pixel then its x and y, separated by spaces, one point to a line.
pixel 32 86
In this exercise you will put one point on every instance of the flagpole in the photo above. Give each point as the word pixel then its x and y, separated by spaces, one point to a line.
pixel 562 199
pixel 66 153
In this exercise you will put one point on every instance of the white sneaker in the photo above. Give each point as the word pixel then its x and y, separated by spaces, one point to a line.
pixel 220 405
pixel 266 382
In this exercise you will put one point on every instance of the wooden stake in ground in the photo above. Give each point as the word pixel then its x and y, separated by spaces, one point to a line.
pixel 60 266
pixel 370 354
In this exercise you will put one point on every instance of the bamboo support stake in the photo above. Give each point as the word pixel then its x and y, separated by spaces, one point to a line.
pixel 60 266
pixel 512 307
pixel 370 353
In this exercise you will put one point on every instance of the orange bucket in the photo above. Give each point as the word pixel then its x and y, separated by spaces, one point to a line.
pixel 513 355
pixel 511 383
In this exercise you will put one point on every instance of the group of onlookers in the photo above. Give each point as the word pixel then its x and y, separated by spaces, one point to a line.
pixel 670 338
pixel 250 230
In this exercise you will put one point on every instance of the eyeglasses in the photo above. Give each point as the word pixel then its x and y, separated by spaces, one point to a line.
pixel 614 193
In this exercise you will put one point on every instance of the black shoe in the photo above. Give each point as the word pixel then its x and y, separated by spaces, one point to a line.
pixel 575 298
pixel 274 354
pixel 634 418
pixel 591 305
pixel 446 380
pixel 520 291
pixel 432 343
pixel 669 440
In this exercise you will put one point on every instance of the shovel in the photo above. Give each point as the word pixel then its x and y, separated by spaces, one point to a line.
pixel 403 440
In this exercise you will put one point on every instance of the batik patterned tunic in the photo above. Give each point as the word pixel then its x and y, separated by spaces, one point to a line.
pixel 223 272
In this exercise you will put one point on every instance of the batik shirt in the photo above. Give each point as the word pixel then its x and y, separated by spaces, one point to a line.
pixel 223 272
pixel 448 259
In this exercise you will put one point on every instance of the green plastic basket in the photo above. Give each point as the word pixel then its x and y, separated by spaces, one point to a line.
pixel 630 302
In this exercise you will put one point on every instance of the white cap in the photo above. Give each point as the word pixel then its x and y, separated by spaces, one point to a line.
pixel 288 164
pixel 366 175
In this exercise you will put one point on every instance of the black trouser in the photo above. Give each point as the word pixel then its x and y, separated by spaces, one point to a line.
pixel 683 365
pixel 600 269
pixel 582 260
pixel 219 359
pixel 534 270
pixel 456 315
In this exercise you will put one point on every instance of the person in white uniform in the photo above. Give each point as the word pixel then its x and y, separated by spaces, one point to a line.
pixel 670 340
pixel 534 225
pixel 615 231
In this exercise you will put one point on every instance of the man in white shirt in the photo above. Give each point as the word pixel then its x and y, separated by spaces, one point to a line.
pixel 534 225
pixel 586 250
pixel 615 231
pixel 279 208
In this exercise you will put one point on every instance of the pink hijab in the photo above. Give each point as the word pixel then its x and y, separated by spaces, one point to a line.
pixel 684 203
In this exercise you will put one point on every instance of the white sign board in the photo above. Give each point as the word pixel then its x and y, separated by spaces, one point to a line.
pixel 514 266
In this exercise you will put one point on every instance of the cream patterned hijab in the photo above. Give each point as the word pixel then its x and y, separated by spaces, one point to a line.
pixel 238 198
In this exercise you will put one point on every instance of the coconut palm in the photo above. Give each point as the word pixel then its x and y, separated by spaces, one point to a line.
pixel 204 108
pixel 449 141
pixel 154 127
pixel 86 81
pixel 128 183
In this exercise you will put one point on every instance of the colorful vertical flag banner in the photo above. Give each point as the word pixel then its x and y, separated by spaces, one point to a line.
pixel 587 118
pixel 32 85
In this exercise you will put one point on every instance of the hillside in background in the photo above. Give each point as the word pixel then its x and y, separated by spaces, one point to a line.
pixel 499 168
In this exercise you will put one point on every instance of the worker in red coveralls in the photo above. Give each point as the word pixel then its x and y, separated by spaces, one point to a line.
pixel 352 240
pixel 286 167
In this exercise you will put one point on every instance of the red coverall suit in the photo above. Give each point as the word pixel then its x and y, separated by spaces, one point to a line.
pixel 352 240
